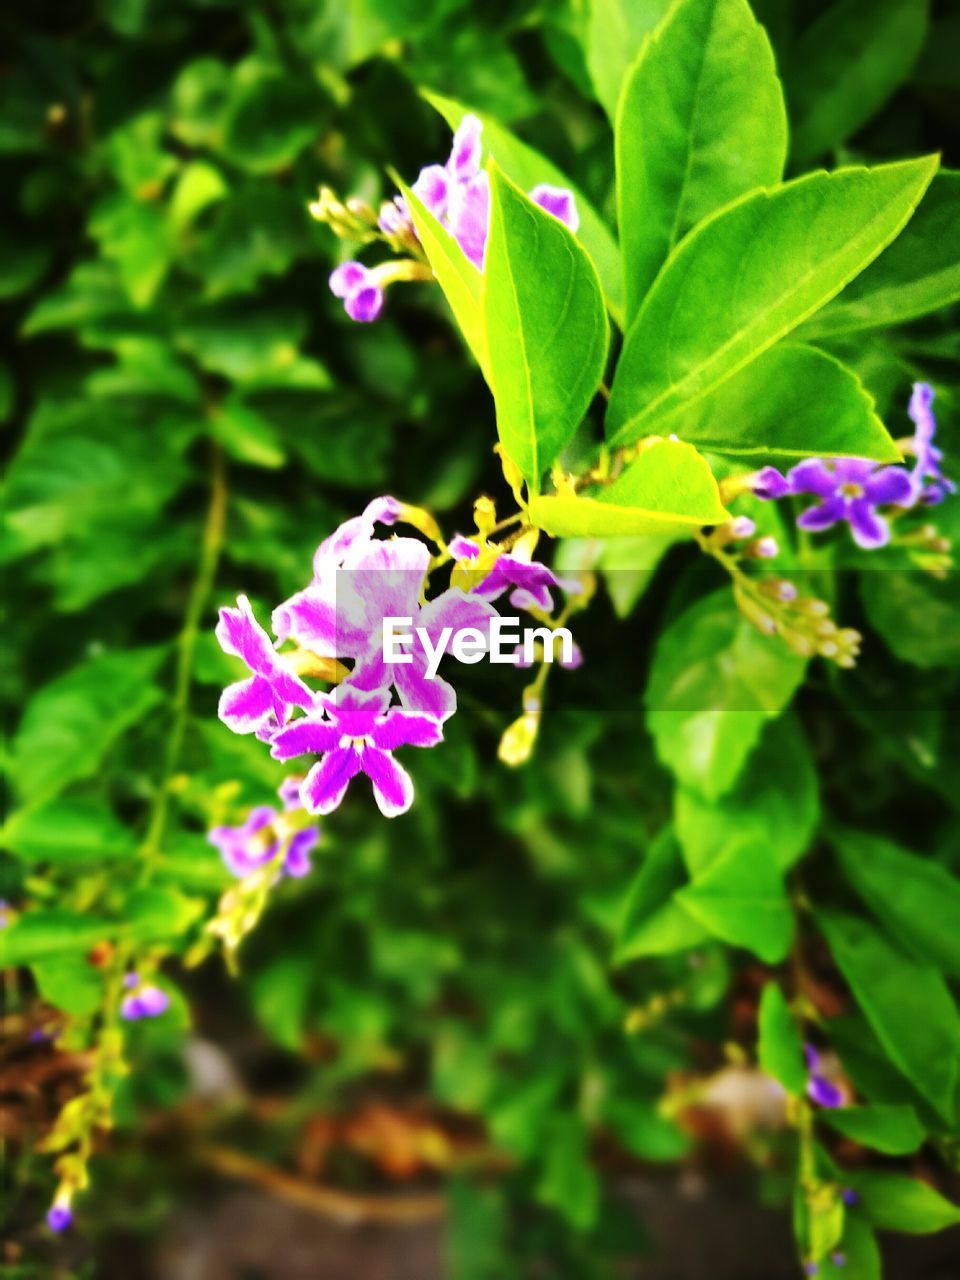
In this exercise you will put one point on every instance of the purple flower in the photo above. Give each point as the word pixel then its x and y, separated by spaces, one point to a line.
pixel 356 734
pixel 849 1197
pixel 246 848
pixel 849 489
pixel 930 485
pixel 838 1259
pixel 289 793
pixel 394 218
pixel 558 201
pixel 267 696
pixel 59 1216
pixel 357 286
pixel 470 216
pixel 820 1088
pixel 5 916
pixel 145 1002
pixel 528 581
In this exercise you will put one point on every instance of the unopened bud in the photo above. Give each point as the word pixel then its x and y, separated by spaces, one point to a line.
pixel 516 745
pixel 762 549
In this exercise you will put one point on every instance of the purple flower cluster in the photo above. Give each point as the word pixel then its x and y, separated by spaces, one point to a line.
pixel 820 1088
pixel 144 1001
pixel 852 490
pixel 458 195
pixel 358 581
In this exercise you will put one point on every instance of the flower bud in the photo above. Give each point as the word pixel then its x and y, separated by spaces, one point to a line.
pixel 516 745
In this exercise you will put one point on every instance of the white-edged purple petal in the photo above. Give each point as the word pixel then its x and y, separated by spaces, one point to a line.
pixel 470 216
pixel 814 476
pixel 307 736
pixel 770 485
pixel 466 152
pixel 246 705
pixel 869 530
pixel 432 189
pixel 364 305
pixel 240 635
pixel 405 729
pixel 889 486
pixel 310 618
pixel 435 698
pixel 462 548
pixel 326 784
pixel 392 785
pixel 456 609
pixel 348 278
pixel 296 862
pixel 823 516
pixel 559 201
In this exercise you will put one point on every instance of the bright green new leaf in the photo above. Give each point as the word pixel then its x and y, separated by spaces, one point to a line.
pixel 859 1254
pixel 741 898
pixel 748 275
pixel 652 922
pixel 461 282
pixel 780 1046
pixel 701 121
pixel 915 899
pixel 793 402
pixel 528 168
pixel 714 682
pixel 919 273
pixel 668 489
pixel 845 66
pixel 775 801
pixel 894 1202
pixel 546 328
pixel 908 1005
pixel 895 1131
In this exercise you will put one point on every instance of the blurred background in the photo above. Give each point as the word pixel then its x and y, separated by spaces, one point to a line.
pixel 421 1069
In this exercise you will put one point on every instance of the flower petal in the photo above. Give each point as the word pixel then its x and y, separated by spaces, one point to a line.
pixel 435 698
pixel 392 785
pixel 465 154
pixel 239 634
pixel 297 860
pixel 812 476
pixel 558 201
pixel 326 783
pixel 305 737
pixel 347 279
pixel 470 217
pixel 869 530
pixel 244 706
pixel 406 729
pixel 889 485
pixel 823 516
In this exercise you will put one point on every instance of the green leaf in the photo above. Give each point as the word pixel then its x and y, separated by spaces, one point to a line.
pixel 917 615
pixel 917 274
pixel 894 1131
pixel 615 33
pixel 701 121
pixel 713 684
pixel 845 66
pixel 153 913
pixel 280 994
pixel 461 282
pixel 70 722
pixel 745 277
pixel 915 899
pixel 246 434
pixel 67 831
pixel 139 238
pixel 70 983
pixel 893 1202
pixel 546 328
pixel 741 899
pixel 568 1183
pixel 668 490
pixel 652 922
pixel 271 117
pixel 775 801
pixel 527 168
pixel 861 1254
pixel 908 1005
pixel 794 402
pixel 198 186
pixel 35 935
pixel 780 1046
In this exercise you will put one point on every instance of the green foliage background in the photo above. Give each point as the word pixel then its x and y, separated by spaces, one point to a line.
pixel 174 357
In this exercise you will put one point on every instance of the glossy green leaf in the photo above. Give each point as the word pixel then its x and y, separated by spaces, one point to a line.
pixel 701 121
pixel 780 1043
pixel 527 168
pixel 917 274
pixel 668 489
pixel 652 923
pixel 546 328
pixel 461 282
pixel 714 683
pixel 568 1183
pixel 845 65
pixel 794 402
pixel 915 898
pixel 908 1005
pixel 894 1202
pixel 894 1131
pixel 748 275
pixel 741 898
pixel 775 801
pixel 270 118
pixel 35 935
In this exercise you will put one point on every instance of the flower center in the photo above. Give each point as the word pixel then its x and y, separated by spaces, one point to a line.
pixel 851 490
pixel 358 743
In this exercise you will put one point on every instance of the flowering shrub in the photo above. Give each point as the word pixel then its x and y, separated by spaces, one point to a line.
pixel 677 414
